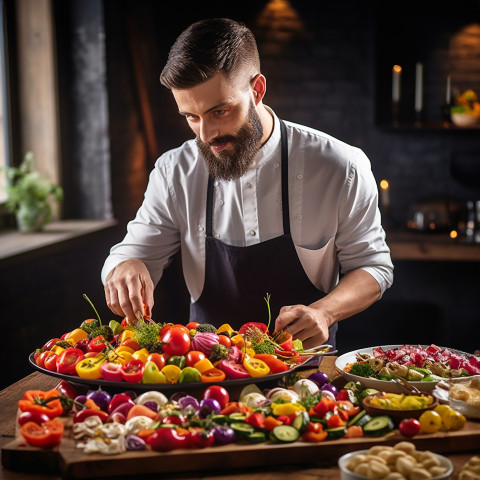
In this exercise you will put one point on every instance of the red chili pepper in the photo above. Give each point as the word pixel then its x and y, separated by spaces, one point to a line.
pixel 286 353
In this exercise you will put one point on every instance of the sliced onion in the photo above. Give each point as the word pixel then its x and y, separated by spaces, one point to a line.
pixel 133 442
pixel 188 402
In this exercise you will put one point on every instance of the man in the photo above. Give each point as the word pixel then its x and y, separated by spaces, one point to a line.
pixel 256 205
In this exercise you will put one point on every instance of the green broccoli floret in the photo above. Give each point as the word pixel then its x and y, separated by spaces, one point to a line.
pixel 207 328
pixel 63 344
pixel 103 330
pixel 218 352
pixel 88 326
pixel 146 334
pixel 363 370
pixel 264 347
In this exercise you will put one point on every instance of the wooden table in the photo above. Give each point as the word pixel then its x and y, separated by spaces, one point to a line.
pixel 8 408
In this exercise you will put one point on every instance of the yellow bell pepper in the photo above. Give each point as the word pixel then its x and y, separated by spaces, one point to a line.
pixel 90 367
pixel 76 335
pixel 226 328
pixel 203 365
pixel 152 374
pixel 286 408
pixel 172 373
pixel 238 341
pixel 124 335
pixel 124 348
pixel 57 349
pixel 119 356
pixel 142 355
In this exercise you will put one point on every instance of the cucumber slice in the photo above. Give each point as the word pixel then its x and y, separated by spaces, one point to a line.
pixel 337 432
pixel 301 422
pixel 236 417
pixel 219 419
pixel 378 426
pixel 256 437
pixel 360 419
pixel 242 429
pixel 285 434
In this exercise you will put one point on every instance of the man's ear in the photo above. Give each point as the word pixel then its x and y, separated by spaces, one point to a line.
pixel 259 88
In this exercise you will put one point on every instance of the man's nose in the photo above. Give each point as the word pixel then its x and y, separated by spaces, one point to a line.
pixel 207 132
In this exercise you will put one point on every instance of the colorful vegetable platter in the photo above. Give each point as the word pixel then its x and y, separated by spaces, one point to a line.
pixel 415 363
pixel 170 357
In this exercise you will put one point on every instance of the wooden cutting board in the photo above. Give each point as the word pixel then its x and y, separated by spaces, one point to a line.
pixel 72 462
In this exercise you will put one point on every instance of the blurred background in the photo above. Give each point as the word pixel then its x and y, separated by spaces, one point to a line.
pixel 81 90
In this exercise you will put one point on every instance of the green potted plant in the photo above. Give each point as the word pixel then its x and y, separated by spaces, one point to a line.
pixel 30 195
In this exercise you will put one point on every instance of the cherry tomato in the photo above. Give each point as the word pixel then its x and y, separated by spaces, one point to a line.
pixel 160 360
pixel 192 326
pixel 193 357
pixel 224 340
pixel 217 392
pixel 177 341
pixel 50 362
pixel 36 417
pixel 409 427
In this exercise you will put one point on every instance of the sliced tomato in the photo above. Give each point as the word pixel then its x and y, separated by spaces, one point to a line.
pixel 46 435
pixel 213 375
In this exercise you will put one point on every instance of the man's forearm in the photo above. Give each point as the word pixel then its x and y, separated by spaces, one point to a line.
pixel 355 292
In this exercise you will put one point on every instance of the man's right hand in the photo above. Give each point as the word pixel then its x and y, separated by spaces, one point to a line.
pixel 129 289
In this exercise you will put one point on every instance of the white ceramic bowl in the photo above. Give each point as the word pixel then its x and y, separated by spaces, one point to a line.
pixel 464 120
pixel 346 474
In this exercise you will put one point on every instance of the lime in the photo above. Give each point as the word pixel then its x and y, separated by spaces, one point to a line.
pixel 189 375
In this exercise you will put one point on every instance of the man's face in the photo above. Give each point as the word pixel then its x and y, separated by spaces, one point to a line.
pixel 223 116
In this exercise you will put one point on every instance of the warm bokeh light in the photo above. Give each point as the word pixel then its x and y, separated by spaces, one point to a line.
pixel 384 185
pixel 453 234
pixel 397 68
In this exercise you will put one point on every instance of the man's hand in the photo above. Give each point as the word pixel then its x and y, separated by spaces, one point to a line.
pixel 129 289
pixel 305 323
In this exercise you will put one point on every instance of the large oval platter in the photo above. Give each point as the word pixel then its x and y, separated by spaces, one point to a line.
pixel 163 387
pixel 383 385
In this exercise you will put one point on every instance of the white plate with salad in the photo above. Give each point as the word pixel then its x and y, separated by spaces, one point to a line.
pixel 423 366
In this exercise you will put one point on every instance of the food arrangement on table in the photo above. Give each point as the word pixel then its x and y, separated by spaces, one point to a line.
pixel 148 353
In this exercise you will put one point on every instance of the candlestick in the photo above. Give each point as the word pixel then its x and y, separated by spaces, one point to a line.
pixel 385 195
pixel 396 80
pixel 448 95
pixel 418 87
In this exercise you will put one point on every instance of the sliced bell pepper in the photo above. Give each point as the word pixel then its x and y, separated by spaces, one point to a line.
pixel 213 375
pixel 46 435
pixel 256 367
pixel 132 371
pixel 68 360
pixel 314 437
pixel 256 419
pixel 40 401
pixel 284 340
pixel 90 367
pixel 203 365
pixel 152 374
pixel 97 344
pixel 141 354
pixel 323 406
pixel 287 408
pixel 76 335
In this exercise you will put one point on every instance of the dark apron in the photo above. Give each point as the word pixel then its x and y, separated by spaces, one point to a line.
pixel 238 278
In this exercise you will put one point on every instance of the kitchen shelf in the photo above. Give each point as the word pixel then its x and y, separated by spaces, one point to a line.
pixel 419 246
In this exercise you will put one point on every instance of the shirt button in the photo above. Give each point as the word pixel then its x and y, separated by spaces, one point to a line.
pixel 299 217
pixel 253 233
pixel 217 235
pixel 221 202
pixel 299 176
pixel 276 165
pixel 200 228
pixel 215 183
pixel 249 185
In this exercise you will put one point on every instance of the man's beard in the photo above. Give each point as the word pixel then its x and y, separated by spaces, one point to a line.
pixel 246 142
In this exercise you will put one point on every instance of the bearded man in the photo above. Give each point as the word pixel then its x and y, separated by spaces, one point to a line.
pixel 255 204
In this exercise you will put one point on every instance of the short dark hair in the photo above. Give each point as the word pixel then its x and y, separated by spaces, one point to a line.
pixel 208 47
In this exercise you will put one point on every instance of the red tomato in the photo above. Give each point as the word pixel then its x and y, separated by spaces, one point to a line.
pixel 192 325
pixel 193 357
pixel 40 360
pixel 224 340
pixel 51 343
pixel 46 435
pixel 218 393
pixel 51 361
pixel 177 341
pixel 409 427
pixel 159 360
pixel 166 439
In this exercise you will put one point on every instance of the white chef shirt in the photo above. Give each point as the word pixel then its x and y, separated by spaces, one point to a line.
pixel 334 218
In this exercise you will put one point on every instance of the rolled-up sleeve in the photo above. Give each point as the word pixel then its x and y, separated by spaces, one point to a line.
pixel 360 240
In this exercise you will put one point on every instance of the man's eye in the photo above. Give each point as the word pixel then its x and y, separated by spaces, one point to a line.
pixel 219 113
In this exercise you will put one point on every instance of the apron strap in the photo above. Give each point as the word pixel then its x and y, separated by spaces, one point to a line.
pixel 285 206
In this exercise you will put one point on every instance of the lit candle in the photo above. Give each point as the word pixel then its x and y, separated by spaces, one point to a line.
pixel 419 87
pixel 448 96
pixel 396 76
pixel 385 195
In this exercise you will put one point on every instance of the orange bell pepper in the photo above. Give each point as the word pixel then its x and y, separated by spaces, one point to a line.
pixel 40 401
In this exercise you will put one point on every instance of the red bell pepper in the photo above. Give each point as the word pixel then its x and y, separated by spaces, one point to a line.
pixel 43 402
pixel 250 325
pixel 68 360
pixel 132 371
pixel 323 406
pixel 284 340
pixel 256 419
pixel 97 344
pixel 166 439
